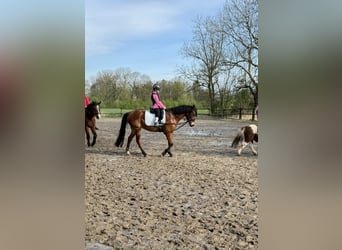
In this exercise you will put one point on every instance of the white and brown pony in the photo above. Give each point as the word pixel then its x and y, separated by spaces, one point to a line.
pixel 246 136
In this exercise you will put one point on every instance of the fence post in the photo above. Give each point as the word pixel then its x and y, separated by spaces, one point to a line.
pixel 240 113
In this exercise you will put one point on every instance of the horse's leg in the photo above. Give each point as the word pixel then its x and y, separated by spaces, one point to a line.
pixel 88 136
pixel 129 140
pixel 252 148
pixel 137 138
pixel 94 135
pixel 169 137
pixel 241 147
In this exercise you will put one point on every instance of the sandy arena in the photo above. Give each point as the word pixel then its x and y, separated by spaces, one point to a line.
pixel 204 197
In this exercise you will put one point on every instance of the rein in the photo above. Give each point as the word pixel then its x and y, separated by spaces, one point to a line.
pixel 179 126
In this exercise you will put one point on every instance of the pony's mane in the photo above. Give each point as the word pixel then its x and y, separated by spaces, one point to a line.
pixel 182 109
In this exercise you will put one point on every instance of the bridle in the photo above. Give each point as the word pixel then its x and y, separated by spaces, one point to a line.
pixel 181 125
pixel 98 111
pixel 94 111
pixel 188 120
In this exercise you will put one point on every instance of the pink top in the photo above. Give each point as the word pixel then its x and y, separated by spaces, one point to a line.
pixel 86 101
pixel 157 102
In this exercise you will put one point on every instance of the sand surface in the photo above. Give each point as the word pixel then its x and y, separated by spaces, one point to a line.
pixel 204 197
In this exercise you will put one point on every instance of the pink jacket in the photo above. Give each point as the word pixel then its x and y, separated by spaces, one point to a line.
pixel 86 101
pixel 157 102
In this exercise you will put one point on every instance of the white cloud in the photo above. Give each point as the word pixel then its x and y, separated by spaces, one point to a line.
pixel 108 26
pixel 144 35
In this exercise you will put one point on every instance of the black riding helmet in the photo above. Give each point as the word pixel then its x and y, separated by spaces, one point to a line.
pixel 156 87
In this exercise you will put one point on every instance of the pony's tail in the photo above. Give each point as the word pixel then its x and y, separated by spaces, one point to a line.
pixel 238 138
pixel 120 140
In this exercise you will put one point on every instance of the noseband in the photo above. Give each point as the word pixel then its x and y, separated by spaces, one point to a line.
pixel 189 116
pixel 187 121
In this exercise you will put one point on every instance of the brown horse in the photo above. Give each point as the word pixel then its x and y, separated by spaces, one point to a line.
pixel 92 112
pixel 136 120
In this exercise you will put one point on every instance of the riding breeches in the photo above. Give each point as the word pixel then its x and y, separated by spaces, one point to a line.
pixel 159 113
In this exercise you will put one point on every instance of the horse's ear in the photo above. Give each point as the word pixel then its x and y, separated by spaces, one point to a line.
pixel 99 102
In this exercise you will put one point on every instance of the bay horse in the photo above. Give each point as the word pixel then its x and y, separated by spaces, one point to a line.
pixel 136 120
pixel 92 112
pixel 246 136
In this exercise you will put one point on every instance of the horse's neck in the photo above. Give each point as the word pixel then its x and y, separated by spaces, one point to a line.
pixel 179 117
pixel 89 113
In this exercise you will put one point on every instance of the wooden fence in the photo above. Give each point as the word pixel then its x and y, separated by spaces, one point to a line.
pixel 239 114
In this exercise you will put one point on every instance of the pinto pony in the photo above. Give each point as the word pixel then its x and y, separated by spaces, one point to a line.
pixel 92 112
pixel 246 136
pixel 136 120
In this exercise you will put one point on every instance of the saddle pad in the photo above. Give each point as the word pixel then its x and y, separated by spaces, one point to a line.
pixel 150 118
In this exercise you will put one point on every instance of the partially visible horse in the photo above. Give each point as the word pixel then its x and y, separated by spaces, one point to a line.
pixel 92 112
pixel 246 136
pixel 136 120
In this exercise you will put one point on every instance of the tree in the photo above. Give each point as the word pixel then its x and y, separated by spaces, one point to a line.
pixel 225 89
pixel 199 94
pixel 104 87
pixel 239 21
pixel 206 49
pixel 131 81
pixel 87 88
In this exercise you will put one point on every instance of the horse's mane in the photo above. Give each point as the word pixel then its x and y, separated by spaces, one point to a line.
pixel 92 105
pixel 183 109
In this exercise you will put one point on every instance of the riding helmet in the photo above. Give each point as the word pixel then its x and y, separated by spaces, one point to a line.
pixel 156 87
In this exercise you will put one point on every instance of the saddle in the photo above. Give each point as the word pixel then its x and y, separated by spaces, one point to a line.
pixel 150 118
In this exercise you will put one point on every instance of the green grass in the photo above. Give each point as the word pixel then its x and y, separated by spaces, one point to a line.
pixel 113 112
pixel 117 112
pixel 203 111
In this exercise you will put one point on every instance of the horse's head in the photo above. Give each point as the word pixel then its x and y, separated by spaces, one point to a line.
pixel 98 110
pixel 94 109
pixel 191 116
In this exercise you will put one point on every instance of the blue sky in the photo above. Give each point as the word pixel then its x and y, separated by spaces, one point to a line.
pixel 143 35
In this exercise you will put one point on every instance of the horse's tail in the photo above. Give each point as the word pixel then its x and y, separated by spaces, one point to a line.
pixel 238 138
pixel 121 137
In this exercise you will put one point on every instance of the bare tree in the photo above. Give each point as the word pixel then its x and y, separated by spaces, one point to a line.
pixel 206 49
pixel 225 90
pixel 87 86
pixel 239 21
